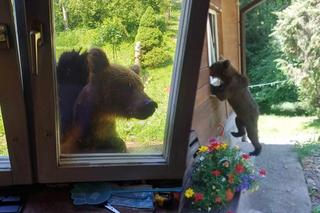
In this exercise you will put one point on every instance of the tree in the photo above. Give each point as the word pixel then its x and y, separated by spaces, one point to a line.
pixel 151 40
pixel 261 53
pixel 298 35
pixel 114 32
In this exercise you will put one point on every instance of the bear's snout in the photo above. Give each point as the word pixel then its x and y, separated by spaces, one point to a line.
pixel 146 109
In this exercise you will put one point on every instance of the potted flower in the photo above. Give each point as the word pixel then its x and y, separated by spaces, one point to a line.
pixel 218 173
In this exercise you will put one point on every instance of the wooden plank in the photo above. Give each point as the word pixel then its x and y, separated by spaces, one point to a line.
pixel 203 94
pixel 204 56
pixel 230 32
pixel 203 77
pixel 201 112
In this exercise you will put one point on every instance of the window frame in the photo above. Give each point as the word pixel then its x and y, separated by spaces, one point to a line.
pixel 52 168
pixel 13 107
pixel 210 37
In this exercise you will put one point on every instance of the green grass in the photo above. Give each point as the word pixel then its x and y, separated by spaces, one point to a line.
pixel 308 149
pixel 316 209
pixel 305 130
pixel 151 130
pixel 3 141
pixel 273 126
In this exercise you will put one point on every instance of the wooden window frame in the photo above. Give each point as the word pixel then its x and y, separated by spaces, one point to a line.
pixel 18 169
pixel 209 36
pixel 96 167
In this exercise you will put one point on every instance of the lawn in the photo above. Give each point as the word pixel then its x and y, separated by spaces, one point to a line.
pixel 3 141
pixel 284 129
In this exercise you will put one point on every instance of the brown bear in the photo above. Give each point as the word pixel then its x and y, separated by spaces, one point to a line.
pixel 234 88
pixel 111 91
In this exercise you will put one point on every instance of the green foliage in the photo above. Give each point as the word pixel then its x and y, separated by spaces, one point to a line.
pixel 161 23
pixel 308 149
pixel 83 13
pixel 261 56
pixel 289 109
pixel 58 16
pixel 112 31
pixel 77 39
pixel 298 35
pixel 154 4
pixel 128 11
pixel 156 57
pixel 149 38
pixel 264 72
pixel 148 19
pixel 316 209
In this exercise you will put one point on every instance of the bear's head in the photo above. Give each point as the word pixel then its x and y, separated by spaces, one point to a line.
pixel 119 90
pixel 224 70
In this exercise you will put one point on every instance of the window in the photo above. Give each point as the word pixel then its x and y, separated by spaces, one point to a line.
pixel 52 34
pixel 212 35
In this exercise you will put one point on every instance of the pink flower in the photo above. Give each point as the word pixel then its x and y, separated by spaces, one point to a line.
pixel 229 212
pixel 262 172
pixel 198 197
pixel 246 156
pixel 213 139
pixel 216 173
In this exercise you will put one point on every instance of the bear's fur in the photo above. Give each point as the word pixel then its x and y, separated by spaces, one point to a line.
pixel 235 89
pixel 111 91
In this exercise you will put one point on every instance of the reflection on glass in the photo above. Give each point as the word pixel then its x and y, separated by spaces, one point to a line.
pixel 114 72
pixel 3 141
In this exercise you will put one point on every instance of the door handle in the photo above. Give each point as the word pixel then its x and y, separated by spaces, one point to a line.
pixel 36 41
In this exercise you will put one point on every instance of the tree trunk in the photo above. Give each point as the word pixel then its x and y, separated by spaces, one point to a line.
pixel 65 17
pixel 137 53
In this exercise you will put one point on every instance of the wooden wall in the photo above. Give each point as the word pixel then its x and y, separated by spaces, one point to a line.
pixel 209 113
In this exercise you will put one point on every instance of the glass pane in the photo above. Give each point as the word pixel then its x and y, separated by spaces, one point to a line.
pixel 212 39
pixel 114 99
pixel 3 140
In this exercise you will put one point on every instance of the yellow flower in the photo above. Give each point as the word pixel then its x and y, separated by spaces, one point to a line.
pixel 203 148
pixel 224 146
pixel 189 193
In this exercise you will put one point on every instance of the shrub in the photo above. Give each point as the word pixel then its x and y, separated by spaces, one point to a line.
pixel 148 19
pixel 149 38
pixel 298 35
pixel 290 109
pixel 156 57
pixel 161 23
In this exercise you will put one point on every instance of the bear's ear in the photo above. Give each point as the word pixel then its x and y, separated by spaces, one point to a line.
pixel 136 68
pixel 226 63
pixel 97 60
